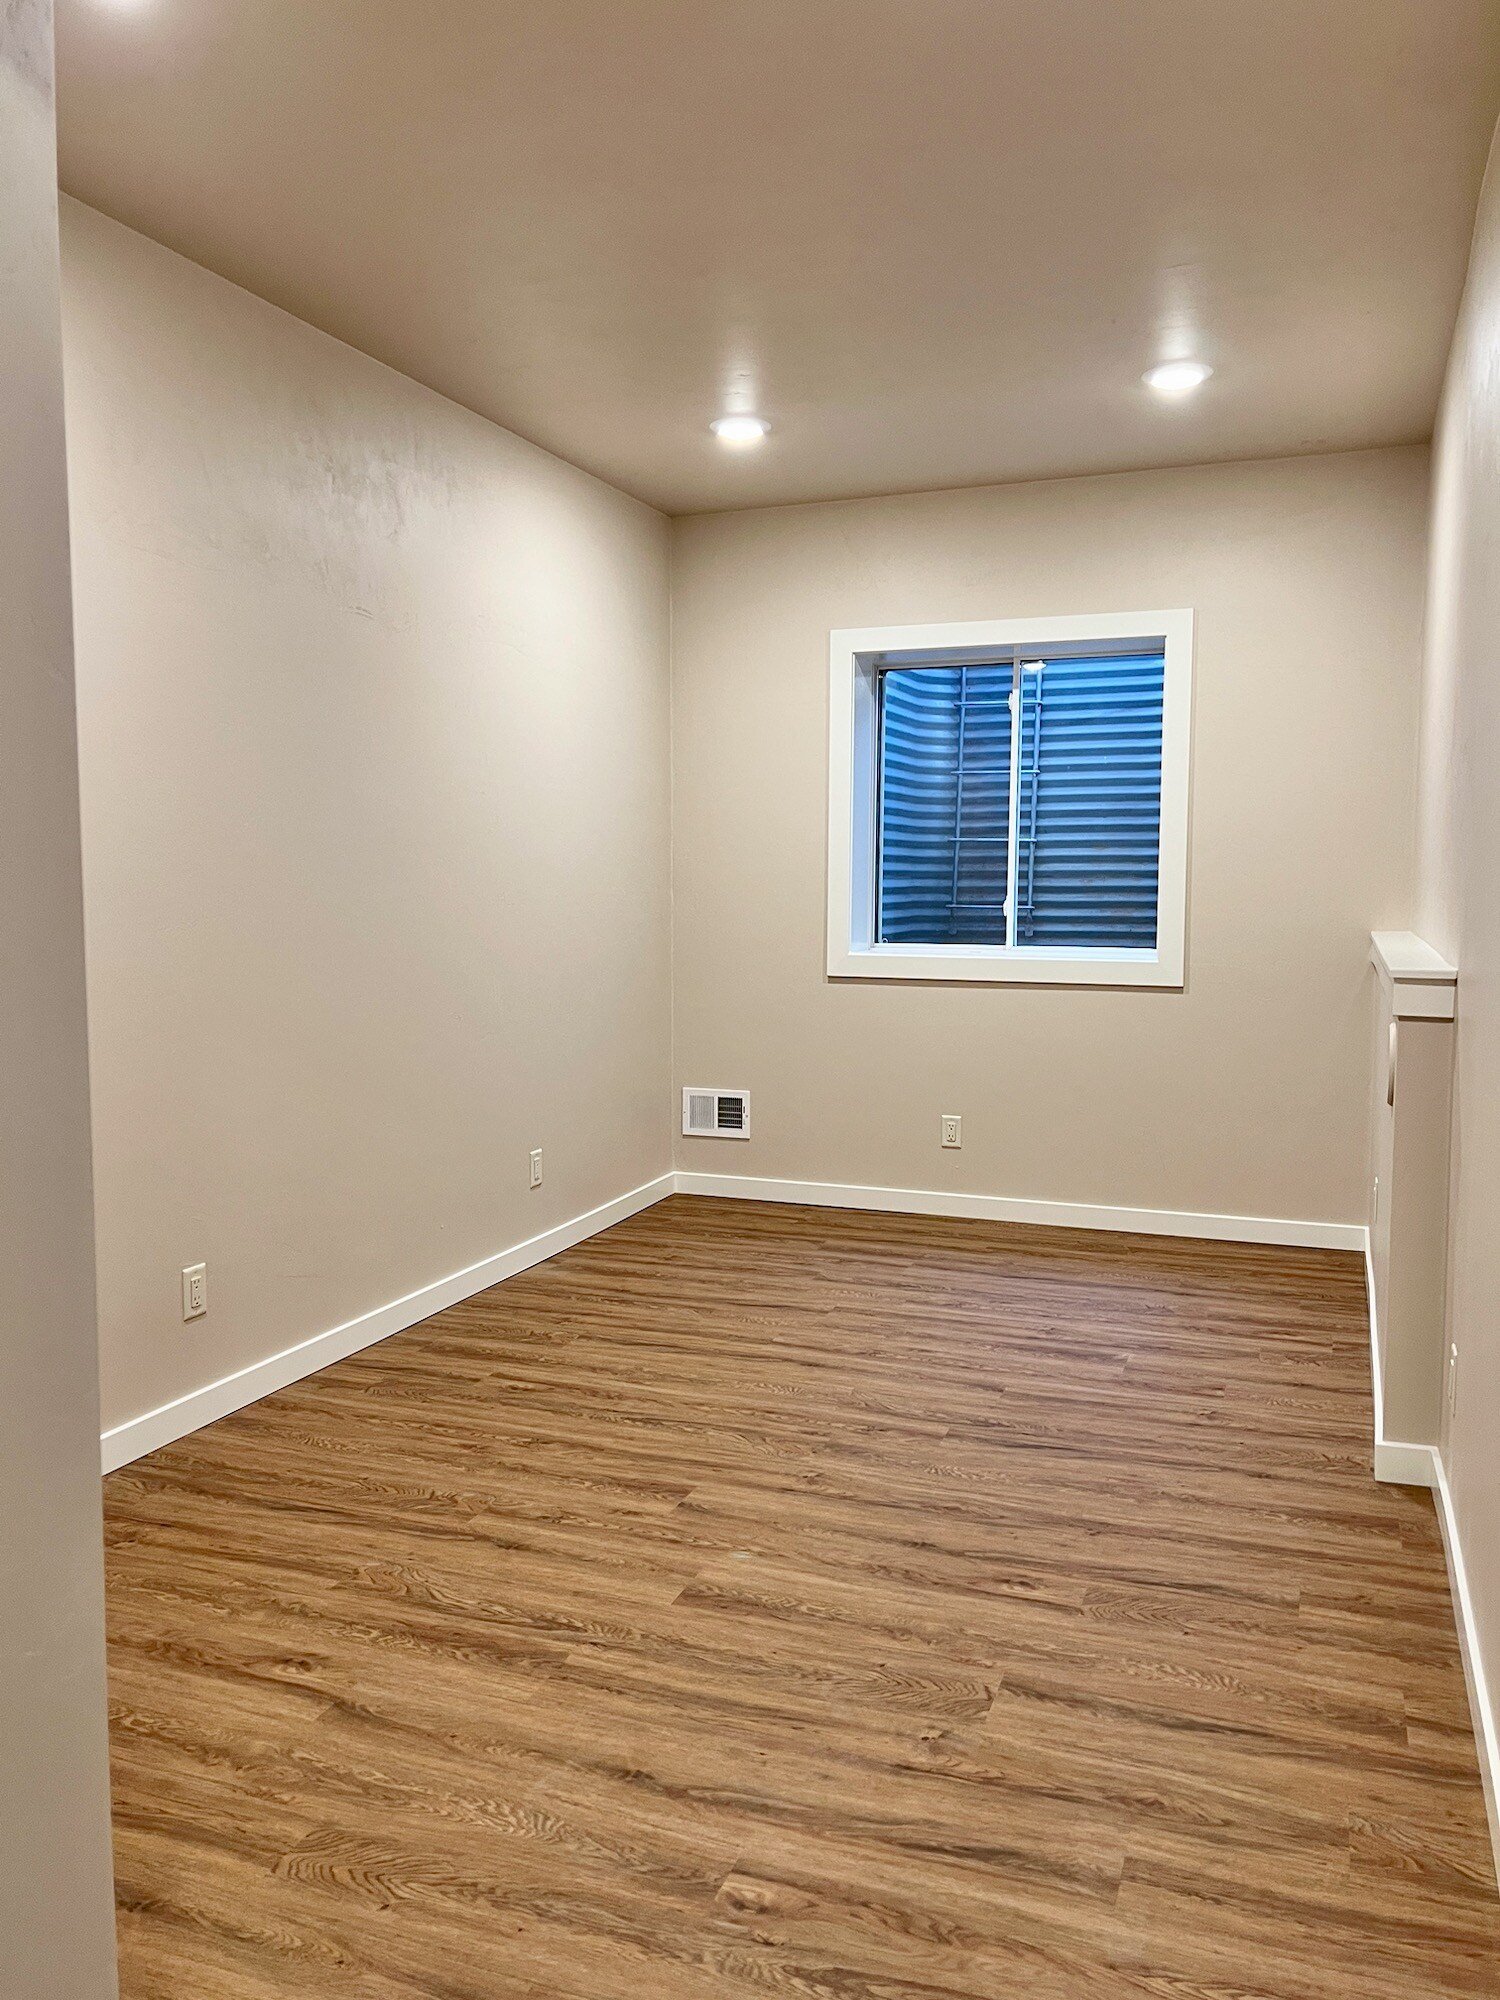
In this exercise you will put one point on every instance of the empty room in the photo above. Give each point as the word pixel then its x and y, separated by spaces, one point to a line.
pixel 749 999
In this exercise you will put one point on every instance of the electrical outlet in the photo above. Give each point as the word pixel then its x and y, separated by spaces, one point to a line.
pixel 953 1129
pixel 194 1291
pixel 536 1166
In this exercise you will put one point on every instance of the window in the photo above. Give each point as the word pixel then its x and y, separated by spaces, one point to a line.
pixel 1010 801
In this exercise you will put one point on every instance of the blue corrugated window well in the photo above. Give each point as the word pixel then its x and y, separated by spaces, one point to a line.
pixel 1019 801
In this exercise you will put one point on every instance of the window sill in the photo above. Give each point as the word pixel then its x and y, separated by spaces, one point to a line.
pixel 1031 965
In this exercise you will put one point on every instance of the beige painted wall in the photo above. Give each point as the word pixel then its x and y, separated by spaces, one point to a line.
pixel 56 1909
pixel 374 728
pixel 1459 895
pixel 1244 1094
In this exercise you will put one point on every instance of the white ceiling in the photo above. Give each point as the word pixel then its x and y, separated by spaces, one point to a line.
pixel 937 241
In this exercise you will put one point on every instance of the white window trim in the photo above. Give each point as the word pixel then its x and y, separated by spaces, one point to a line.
pixel 854 660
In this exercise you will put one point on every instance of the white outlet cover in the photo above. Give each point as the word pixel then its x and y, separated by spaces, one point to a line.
pixel 194 1290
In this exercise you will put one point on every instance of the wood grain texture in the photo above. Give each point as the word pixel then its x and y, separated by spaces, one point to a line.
pixel 759 1601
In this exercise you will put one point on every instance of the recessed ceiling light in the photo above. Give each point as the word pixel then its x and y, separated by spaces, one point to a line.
pixel 1177 378
pixel 739 430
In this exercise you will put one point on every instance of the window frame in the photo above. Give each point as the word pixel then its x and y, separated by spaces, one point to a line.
pixel 856 656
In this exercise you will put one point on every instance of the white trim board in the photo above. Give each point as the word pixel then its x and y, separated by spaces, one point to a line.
pixel 191 1412
pixel 1007 1208
pixel 1400 1464
pixel 1422 983
pixel 1481 1707
pixel 1396 1462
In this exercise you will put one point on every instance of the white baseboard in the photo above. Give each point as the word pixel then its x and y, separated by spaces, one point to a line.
pixel 1422 1465
pixel 187 1413
pixel 1397 1463
pixel 1481 1707
pixel 131 1440
pixel 1007 1208
pixel 1400 1464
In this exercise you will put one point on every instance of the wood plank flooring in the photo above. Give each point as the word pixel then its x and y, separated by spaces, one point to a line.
pixel 761 1602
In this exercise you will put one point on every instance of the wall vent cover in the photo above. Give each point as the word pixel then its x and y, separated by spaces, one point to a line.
pixel 715 1114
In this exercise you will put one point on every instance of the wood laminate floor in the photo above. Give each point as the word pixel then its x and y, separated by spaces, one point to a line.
pixel 761 1602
